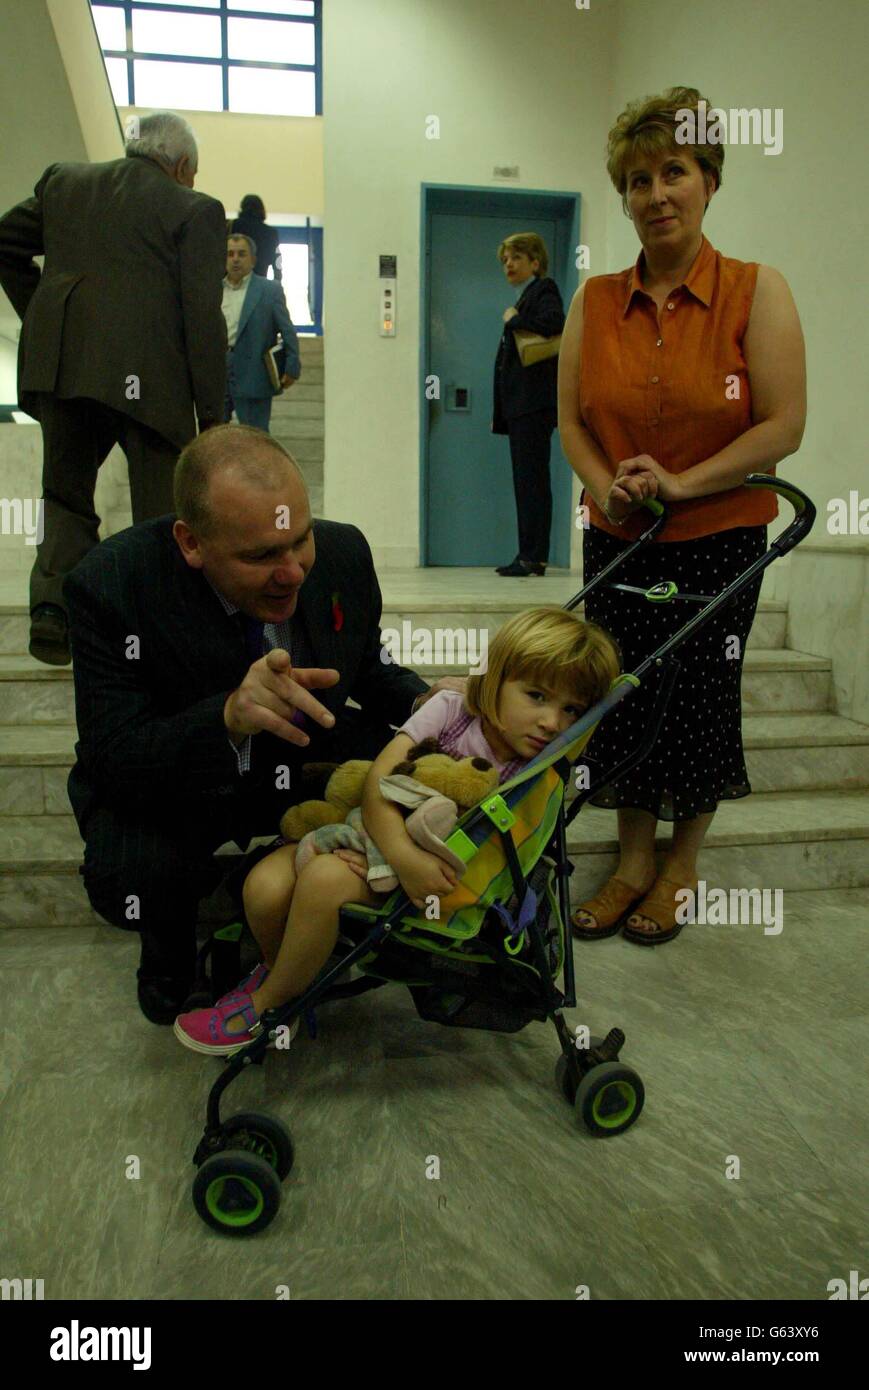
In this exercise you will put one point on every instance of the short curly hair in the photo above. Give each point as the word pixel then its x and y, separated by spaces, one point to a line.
pixel 648 127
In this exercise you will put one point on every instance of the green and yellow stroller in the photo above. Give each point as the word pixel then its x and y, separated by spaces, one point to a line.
pixel 493 955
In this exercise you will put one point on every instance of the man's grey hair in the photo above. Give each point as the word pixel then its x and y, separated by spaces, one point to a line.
pixel 164 136
pixel 242 236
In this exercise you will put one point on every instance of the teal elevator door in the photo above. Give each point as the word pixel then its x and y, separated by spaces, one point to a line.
pixel 470 511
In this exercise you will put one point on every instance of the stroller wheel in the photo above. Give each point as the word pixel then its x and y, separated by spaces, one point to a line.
pixel 264 1136
pixel 236 1192
pixel 609 1099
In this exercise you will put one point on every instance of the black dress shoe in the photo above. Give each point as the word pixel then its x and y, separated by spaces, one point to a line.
pixel 162 998
pixel 49 635
pixel 521 569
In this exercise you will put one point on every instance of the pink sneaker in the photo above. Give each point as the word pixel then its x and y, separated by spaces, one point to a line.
pixel 249 984
pixel 204 1030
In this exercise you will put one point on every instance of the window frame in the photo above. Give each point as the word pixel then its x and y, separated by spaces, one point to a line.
pixel 225 11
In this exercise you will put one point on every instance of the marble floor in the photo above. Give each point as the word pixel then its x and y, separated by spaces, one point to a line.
pixel 749 1045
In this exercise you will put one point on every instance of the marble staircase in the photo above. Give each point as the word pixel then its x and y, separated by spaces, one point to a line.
pixel 806 826
pixel 298 419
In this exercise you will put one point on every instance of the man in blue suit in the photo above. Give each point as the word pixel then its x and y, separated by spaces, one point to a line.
pixel 255 311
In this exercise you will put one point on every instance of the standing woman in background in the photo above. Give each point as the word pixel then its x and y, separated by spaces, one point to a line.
pixel 526 399
pixel 251 221
pixel 679 377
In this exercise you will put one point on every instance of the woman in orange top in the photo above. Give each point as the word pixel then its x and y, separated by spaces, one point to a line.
pixel 677 378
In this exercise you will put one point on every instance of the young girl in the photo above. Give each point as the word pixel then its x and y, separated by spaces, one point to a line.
pixel 545 668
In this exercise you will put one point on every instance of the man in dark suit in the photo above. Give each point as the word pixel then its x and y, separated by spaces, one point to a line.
pixel 255 312
pixel 526 398
pixel 122 339
pixel 213 656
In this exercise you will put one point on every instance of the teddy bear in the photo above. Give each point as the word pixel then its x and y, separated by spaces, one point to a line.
pixel 433 786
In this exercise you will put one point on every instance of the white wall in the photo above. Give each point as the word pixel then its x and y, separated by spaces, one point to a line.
pixel 511 83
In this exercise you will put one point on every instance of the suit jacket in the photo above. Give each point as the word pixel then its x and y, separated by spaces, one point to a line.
pixel 150 721
pixel 522 390
pixel 263 315
pixel 131 287
pixel 267 243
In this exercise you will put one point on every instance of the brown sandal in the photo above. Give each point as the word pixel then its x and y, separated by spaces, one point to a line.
pixel 660 906
pixel 615 901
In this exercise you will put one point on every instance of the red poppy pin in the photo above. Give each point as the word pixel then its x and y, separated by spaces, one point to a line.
pixel 337 613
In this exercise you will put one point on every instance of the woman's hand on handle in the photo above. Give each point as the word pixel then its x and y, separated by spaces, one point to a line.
pixel 668 485
pixel 634 482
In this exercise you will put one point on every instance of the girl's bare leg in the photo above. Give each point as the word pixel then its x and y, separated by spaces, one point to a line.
pixel 268 892
pixel 312 928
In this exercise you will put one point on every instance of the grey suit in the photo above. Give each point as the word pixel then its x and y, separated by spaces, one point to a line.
pixel 123 339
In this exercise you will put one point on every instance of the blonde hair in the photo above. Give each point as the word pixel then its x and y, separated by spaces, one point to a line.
pixel 527 244
pixel 648 127
pixel 550 647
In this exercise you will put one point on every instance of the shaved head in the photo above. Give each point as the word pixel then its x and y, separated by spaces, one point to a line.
pixel 244 519
pixel 233 453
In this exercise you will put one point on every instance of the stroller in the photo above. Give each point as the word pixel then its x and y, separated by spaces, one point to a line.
pixel 492 958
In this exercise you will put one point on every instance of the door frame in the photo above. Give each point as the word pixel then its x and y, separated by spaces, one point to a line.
pixel 467 199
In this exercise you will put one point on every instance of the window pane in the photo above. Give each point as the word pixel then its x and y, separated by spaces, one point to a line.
pixel 267 92
pixel 294 269
pixel 270 41
pixel 110 26
pixel 117 70
pixel 299 7
pixel 197 35
pixel 201 4
pixel 181 86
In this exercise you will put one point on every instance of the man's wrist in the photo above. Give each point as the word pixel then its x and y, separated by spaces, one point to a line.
pixel 235 734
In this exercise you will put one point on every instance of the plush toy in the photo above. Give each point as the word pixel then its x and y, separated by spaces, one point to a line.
pixel 343 792
pixel 463 780
pixel 435 787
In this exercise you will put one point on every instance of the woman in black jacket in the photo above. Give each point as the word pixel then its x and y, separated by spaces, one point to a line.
pixel 525 398
pixel 251 221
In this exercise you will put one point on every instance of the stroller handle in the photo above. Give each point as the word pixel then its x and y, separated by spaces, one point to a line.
pixel 804 510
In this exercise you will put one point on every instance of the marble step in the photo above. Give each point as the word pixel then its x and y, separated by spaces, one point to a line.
pixel 787 841
pixel 784 752
pixel 295 410
pixel 768 631
pixel 773 682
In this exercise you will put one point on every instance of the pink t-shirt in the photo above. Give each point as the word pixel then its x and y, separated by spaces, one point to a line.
pixel 445 718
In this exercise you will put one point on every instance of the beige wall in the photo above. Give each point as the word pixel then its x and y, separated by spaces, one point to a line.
pixel 278 157
pixel 79 48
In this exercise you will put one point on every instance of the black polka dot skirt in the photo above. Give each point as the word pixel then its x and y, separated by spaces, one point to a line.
pixel 698 760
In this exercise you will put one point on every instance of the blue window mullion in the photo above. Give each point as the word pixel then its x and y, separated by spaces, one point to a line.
pixel 131 76
pixel 224 49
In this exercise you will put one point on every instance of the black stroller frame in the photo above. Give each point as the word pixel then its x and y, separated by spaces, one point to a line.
pixel 242 1161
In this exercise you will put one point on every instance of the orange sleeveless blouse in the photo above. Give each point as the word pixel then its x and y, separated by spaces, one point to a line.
pixel 673 385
